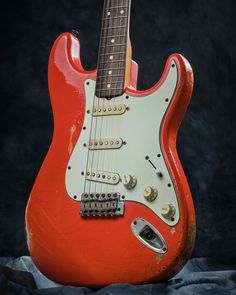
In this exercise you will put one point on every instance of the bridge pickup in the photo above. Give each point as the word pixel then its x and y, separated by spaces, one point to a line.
pixel 103 177
pixel 101 204
pixel 105 143
pixel 108 110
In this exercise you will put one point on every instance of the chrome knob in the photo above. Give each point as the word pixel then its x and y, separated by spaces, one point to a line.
pixel 168 210
pixel 129 181
pixel 150 193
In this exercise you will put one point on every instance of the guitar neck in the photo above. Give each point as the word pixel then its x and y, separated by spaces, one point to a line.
pixel 113 48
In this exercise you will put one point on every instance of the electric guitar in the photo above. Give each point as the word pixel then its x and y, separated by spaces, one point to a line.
pixel 111 203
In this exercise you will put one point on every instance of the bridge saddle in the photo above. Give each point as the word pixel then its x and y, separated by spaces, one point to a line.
pixel 101 204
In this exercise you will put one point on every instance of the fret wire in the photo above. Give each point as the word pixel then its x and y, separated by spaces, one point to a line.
pixel 104 46
pixel 108 76
pixel 118 16
pixel 113 69
pixel 105 82
pixel 107 62
pixel 115 36
pixel 116 7
pixel 108 89
pixel 108 53
pixel 116 27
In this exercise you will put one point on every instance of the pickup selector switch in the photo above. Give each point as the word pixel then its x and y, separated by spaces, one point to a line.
pixel 150 193
pixel 129 181
pixel 168 210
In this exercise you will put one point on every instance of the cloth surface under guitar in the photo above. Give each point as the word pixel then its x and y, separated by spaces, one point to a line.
pixel 199 276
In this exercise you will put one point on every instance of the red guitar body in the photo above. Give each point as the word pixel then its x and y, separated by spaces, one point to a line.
pixel 70 249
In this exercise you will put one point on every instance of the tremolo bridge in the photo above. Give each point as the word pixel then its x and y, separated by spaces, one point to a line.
pixel 103 204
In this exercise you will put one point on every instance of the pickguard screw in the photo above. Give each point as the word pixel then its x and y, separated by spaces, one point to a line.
pixel 167 99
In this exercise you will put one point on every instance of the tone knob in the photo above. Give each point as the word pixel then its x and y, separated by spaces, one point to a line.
pixel 168 210
pixel 150 193
pixel 129 181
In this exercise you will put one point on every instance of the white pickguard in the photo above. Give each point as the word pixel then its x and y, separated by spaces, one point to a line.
pixel 140 128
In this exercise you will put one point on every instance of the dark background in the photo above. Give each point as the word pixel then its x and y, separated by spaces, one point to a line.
pixel 203 31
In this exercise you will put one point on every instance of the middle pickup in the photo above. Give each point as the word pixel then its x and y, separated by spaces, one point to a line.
pixel 105 143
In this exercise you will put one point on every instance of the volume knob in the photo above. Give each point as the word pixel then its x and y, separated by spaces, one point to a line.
pixel 129 181
pixel 168 210
pixel 150 193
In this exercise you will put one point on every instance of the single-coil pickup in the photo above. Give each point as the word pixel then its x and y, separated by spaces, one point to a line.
pixel 104 144
pixel 103 177
pixel 108 110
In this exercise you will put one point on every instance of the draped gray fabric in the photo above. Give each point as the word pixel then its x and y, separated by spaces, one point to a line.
pixel 199 276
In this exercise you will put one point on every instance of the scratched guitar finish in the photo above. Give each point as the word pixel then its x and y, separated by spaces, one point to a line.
pixel 111 203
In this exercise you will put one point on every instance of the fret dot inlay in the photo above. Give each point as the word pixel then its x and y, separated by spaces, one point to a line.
pixel 111 57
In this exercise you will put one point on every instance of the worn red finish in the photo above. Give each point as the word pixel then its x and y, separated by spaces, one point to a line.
pixel 100 251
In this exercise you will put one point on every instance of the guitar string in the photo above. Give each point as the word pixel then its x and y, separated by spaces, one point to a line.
pixel 118 99
pixel 109 187
pixel 104 100
pixel 113 119
pixel 91 152
pixel 98 118
pixel 96 123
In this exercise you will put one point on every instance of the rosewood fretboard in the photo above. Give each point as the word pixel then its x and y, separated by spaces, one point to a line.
pixel 113 48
